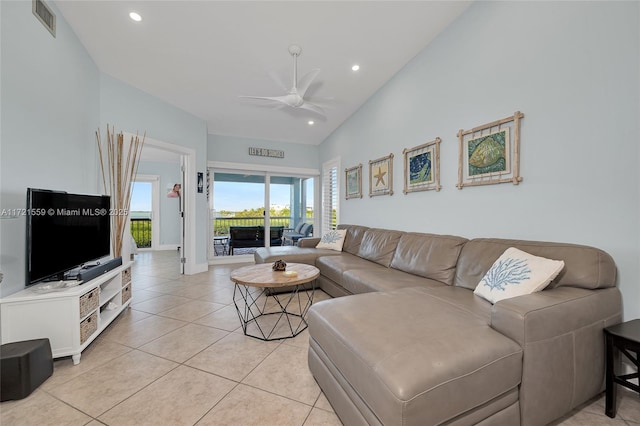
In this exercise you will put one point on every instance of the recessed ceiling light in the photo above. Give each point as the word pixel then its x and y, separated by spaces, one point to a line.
pixel 310 122
pixel 135 16
pixel 355 67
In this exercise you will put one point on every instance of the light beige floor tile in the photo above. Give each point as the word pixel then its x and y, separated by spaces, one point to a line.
pixel 96 354
pixel 133 315
pixel 322 418
pixel 583 418
pixel 224 296
pixel 194 291
pixel 285 372
pixel 320 296
pixel 160 304
pixel 323 403
pixel 194 279
pixel 140 332
pixel 628 405
pixel 165 273
pixel 168 287
pixel 248 406
pixel 102 388
pixel 142 295
pixel 301 340
pixel 185 342
pixel 181 397
pixel 40 409
pixel 224 319
pixel 145 282
pixel 192 310
pixel 233 357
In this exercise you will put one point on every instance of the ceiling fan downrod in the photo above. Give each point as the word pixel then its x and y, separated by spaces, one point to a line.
pixel 295 51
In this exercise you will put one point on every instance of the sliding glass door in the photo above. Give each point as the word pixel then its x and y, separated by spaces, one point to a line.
pixel 240 222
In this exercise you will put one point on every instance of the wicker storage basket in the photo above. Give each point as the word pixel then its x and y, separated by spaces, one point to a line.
pixel 126 293
pixel 126 276
pixel 88 327
pixel 89 302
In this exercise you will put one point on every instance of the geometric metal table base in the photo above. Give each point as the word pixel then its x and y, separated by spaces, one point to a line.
pixel 266 315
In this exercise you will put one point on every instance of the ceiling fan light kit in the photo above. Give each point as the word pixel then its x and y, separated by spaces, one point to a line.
pixel 295 96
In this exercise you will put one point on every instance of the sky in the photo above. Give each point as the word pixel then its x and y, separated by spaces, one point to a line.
pixel 231 196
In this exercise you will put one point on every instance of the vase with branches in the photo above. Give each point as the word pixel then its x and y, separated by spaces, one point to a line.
pixel 119 166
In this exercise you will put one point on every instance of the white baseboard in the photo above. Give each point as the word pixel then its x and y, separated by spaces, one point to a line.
pixel 167 247
pixel 226 260
pixel 191 269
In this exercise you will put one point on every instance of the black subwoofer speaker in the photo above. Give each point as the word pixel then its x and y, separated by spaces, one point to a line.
pixel 23 367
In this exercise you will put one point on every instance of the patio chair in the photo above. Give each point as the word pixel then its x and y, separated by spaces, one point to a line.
pixel 291 236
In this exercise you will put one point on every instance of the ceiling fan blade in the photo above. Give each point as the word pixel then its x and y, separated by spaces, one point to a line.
pixel 277 79
pixel 322 102
pixel 306 81
pixel 312 108
pixel 282 99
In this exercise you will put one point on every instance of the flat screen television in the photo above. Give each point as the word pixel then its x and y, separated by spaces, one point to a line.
pixel 64 232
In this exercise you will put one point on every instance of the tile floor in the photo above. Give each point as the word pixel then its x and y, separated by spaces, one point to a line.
pixel 178 357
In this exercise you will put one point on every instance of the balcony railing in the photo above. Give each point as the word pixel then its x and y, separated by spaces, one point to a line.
pixel 141 232
pixel 221 224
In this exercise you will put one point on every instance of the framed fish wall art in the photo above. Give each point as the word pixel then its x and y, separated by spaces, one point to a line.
pixel 422 167
pixel 490 153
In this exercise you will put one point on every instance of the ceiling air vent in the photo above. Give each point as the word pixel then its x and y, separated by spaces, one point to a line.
pixel 45 15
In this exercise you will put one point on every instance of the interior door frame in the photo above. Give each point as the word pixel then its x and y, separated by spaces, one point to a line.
pixel 188 159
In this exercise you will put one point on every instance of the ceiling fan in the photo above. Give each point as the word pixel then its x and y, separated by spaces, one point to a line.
pixel 295 96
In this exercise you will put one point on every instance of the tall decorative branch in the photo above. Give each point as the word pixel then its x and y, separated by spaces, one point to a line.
pixel 118 172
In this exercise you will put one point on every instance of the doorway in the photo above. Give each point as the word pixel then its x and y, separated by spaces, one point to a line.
pixel 145 212
pixel 240 222
pixel 156 158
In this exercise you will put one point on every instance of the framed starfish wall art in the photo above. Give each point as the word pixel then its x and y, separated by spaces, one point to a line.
pixel 381 176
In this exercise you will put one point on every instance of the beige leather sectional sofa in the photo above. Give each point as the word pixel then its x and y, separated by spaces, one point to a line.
pixel 413 345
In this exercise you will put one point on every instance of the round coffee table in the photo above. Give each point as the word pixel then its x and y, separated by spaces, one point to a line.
pixel 271 304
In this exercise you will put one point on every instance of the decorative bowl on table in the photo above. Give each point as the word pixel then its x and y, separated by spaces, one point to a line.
pixel 279 265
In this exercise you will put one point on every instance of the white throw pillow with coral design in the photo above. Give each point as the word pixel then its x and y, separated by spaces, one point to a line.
pixel 333 240
pixel 516 273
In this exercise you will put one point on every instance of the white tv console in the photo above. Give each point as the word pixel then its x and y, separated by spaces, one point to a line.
pixel 71 318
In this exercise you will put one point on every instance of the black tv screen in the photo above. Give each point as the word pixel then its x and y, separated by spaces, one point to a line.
pixel 64 231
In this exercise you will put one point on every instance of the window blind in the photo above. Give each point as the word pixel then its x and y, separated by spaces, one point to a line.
pixel 330 195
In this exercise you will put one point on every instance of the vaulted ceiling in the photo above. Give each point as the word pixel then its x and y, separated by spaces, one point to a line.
pixel 201 56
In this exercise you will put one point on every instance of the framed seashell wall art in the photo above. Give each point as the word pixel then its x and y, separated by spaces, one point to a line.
pixel 490 153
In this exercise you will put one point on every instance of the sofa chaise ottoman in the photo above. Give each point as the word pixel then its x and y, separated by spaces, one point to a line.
pixel 412 344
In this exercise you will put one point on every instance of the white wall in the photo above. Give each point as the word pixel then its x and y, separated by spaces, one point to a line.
pixel 49 113
pixel 236 150
pixel 132 110
pixel 573 69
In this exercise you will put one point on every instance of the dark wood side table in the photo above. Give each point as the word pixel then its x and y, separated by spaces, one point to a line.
pixel 625 338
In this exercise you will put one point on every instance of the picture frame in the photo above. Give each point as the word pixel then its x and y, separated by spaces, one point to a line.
pixel 381 176
pixel 422 167
pixel 353 182
pixel 490 154
pixel 200 178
